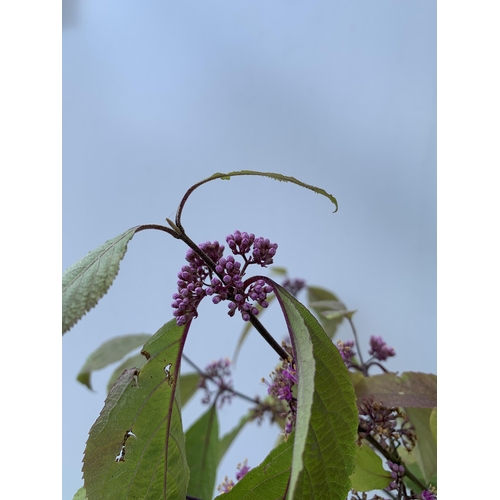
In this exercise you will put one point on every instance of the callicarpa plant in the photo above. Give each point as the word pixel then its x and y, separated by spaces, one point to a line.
pixel 345 432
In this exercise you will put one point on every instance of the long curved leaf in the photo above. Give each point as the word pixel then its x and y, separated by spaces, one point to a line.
pixel 202 451
pixel 136 447
pixel 271 175
pixel 110 352
pixel 323 454
pixel 327 416
pixel 88 280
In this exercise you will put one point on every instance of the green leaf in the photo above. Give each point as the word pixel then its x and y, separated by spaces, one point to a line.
pixel 136 447
pixel 227 440
pixel 269 480
pixel 202 451
pixel 271 175
pixel 411 389
pixel 433 423
pixel 327 416
pixel 80 494
pixel 86 281
pixel 247 327
pixel 136 361
pixel 328 308
pixel 281 271
pixel 410 463
pixel 369 473
pixel 188 384
pixel 425 450
pixel 108 353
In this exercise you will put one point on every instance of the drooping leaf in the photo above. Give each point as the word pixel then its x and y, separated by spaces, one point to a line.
pixel 411 389
pixel 333 310
pixel 271 175
pixel 425 450
pixel 88 280
pixel 248 327
pixel 267 481
pixel 369 473
pixel 202 451
pixel 136 447
pixel 329 310
pixel 226 440
pixel 327 417
pixel 110 352
pixel 281 271
pixel 136 361
pixel 80 494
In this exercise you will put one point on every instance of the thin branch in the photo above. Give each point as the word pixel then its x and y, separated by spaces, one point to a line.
pixel 356 340
pixel 255 322
pixel 393 458
pixel 159 227
pixel 268 338
pixel 205 375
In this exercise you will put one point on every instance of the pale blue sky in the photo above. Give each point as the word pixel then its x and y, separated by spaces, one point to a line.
pixel 157 96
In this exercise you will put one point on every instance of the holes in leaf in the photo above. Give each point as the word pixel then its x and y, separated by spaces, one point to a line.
pixel 121 456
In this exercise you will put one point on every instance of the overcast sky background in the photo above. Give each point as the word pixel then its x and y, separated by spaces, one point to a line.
pixel 157 96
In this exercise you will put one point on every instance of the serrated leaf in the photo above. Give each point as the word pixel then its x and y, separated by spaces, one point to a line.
pixel 247 328
pixel 269 480
pixel 227 439
pixel 202 452
pixel 271 175
pixel 369 473
pixel 425 450
pixel 327 416
pixel 151 462
pixel 136 361
pixel 188 383
pixel 80 494
pixel 323 301
pixel 88 280
pixel 110 352
pixel 411 389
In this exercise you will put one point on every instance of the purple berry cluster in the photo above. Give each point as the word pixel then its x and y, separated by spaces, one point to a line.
pixel 227 281
pixel 283 379
pixel 228 484
pixel 242 470
pixel 379 349
pixel 389 426
pixel 293 286
pixel 219 373
pixel 346 351
pixel 428 495
pixel 397 473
